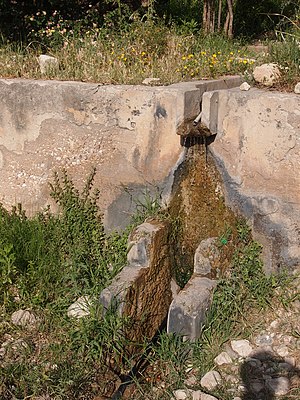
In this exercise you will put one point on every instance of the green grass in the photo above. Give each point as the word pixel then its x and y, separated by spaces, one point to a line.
pixel 141 50
pixel 48 261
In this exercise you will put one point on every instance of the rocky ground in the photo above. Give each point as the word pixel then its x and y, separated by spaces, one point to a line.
pixel 265 367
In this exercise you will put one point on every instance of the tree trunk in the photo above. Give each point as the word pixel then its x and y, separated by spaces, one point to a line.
pixel 230 22
pixel 219 15
pixel 208 17
pixel 226 24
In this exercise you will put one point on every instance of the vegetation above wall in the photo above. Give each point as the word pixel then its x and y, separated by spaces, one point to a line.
pixel 128 41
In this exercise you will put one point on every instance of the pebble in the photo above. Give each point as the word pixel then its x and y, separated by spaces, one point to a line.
pixel 245 86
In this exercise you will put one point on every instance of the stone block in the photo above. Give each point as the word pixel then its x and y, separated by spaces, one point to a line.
pixel 188 309
pixel 257 151
pixel 142 290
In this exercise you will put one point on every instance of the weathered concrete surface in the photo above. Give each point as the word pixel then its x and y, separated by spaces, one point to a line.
pixel 188 310
pixel 127 132
pixel 142 290
pixel 257 148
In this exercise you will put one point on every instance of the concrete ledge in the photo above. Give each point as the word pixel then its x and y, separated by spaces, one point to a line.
pixel 127 132
pixel 188 310
pixel 257 149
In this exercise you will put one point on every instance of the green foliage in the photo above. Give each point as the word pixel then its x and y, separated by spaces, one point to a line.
pixel 243 289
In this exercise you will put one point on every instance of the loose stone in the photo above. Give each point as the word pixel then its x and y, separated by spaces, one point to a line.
pixel 279 386
pixel 297 88
pixel 47 63
pixel 205 396
pixel 245 86
pixel 23 318
pixel 263 340
pixel 211 380
pixel 282 350
pixel 80 308
pixel 181 394
pixel 223 358
pixel 267 74
pixel 241 347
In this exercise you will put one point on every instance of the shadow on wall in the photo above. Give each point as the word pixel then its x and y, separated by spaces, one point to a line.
pixel 266 376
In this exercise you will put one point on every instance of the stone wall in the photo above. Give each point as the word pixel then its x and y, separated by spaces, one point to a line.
pixel 127 132
pixel 257 148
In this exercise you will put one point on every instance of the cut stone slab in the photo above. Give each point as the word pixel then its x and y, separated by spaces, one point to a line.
pixel 211 380
pixel 188 309
pixel 241 347
pixel 142 290
pixel 248 127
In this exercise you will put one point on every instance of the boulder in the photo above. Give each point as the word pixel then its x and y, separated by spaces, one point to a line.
pixel 267 74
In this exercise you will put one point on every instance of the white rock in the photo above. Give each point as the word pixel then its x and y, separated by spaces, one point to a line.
pixel 282 350
pixel 204 396
pixel 279 386
pixel 245 86
pixel 267 74
pixel 181 394
pixel 223 358
pixel 148 81
pixel 241 347
pixel 23 318
pixel 263 339
pixel 47 63
pixel 80 308
pixel 297 88
pixel 197 395
pixel 274 324
pixel 211 380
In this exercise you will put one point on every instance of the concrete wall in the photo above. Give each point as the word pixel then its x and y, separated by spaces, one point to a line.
pixel 127 132
pixel 257 148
